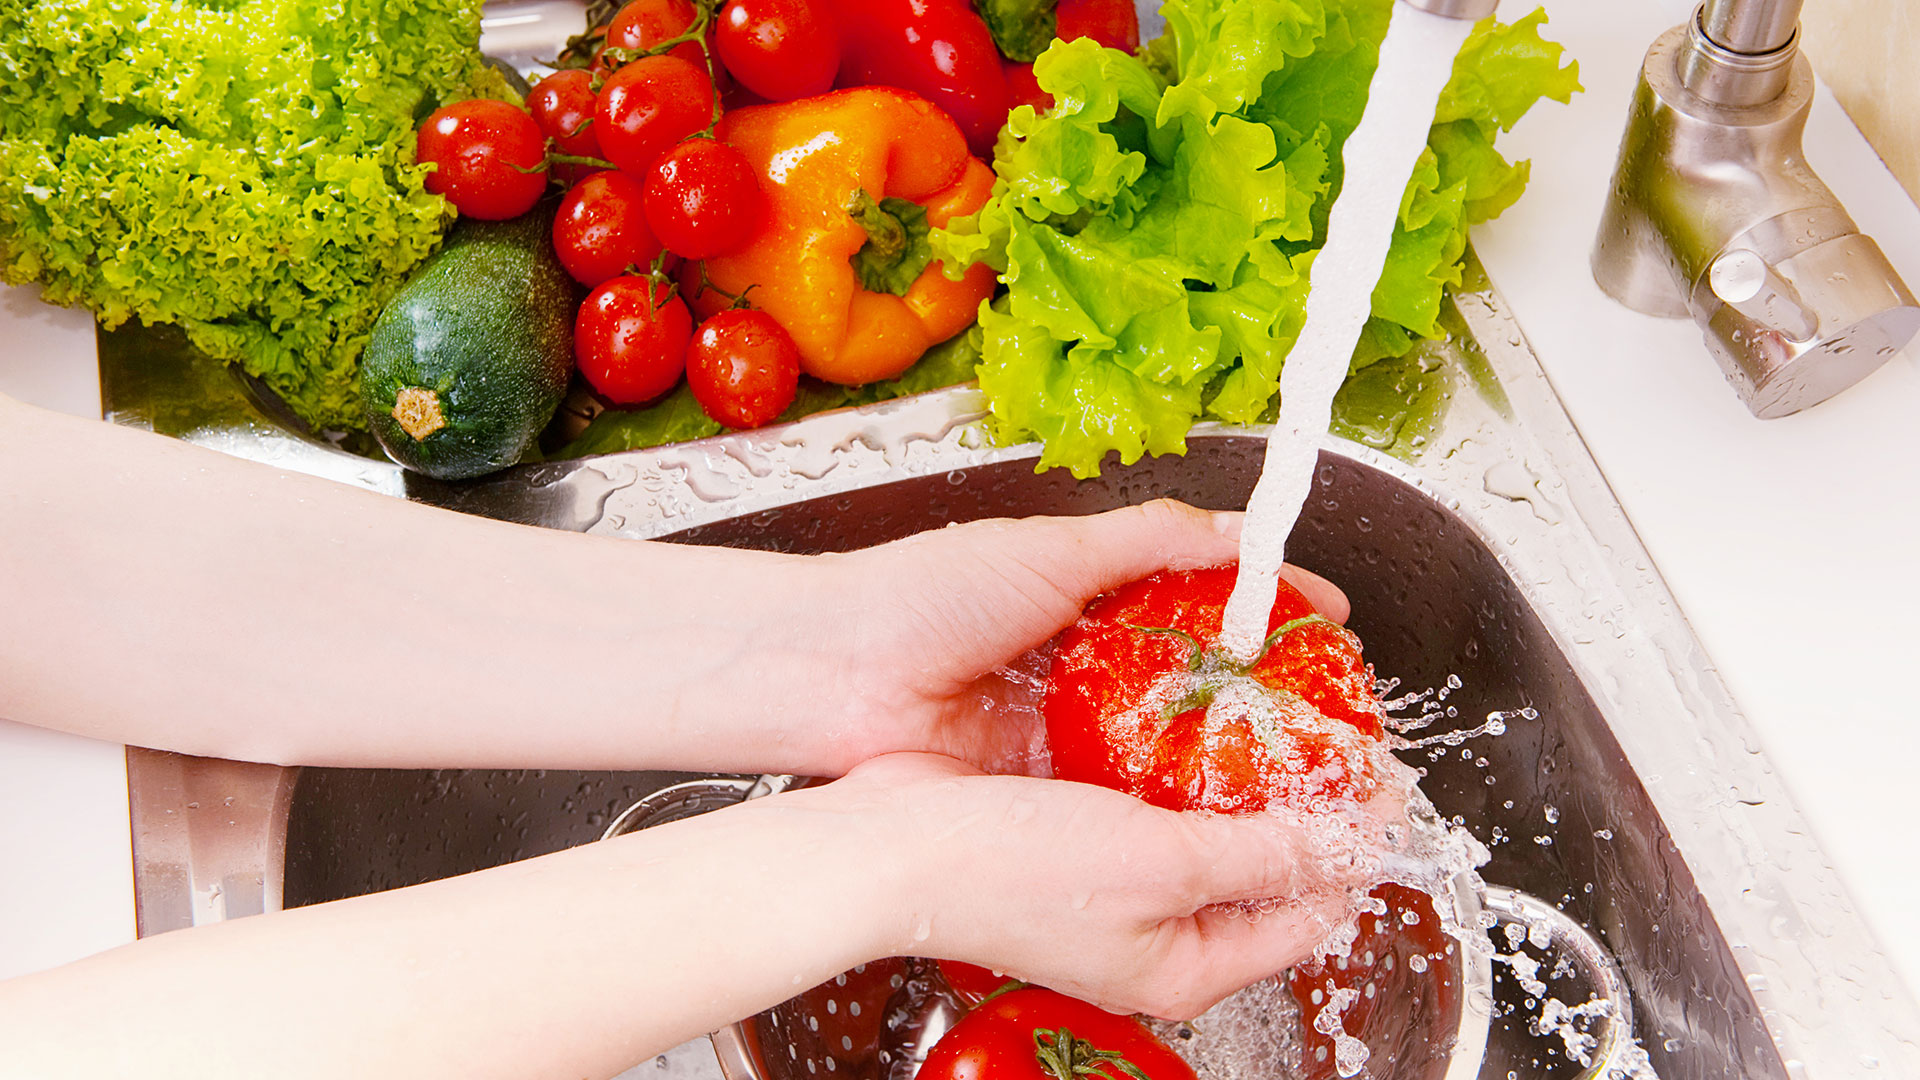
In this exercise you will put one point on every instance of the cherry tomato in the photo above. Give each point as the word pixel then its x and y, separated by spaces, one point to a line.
pixel 1024 89
pixel 780 49
pixel 1112 23
pixel 630 339
pixel 643 24
pixel 1184 756
pixel 1002 1040
pixel 939 49
pixel 743 368
pixel 703 199
pixel 601 229
pixel 488 158
pixel 562 104
pixel 648 106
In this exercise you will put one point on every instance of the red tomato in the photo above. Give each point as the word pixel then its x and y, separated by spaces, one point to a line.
pixel 601 229
pixel 643 24
pixel 630 339
pixel 939 49
pixel 1024 89
pixel 1113 23
pixel 488 158
pixel 703 199
pixel 562 104
pixel 780 49
pixel 1383 958
pixel 648 106
pixel 743 368
pixel 1124 710
pixel 971 981
pixel 1004 1038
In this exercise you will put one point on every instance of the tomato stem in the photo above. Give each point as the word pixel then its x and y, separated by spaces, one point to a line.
pixel 1064 1057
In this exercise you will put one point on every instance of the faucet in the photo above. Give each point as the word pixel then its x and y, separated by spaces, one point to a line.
pixel 1714 213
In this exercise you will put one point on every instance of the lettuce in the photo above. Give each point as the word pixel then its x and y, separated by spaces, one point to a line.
pixel 243 170
pixel 1156 228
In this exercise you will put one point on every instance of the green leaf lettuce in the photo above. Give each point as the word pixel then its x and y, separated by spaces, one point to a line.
pixel 1156 228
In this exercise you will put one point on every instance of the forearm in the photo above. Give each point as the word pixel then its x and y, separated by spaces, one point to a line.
pixel 579 964
pixel 165 595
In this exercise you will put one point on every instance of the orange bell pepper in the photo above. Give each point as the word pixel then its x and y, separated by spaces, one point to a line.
pixel 816 158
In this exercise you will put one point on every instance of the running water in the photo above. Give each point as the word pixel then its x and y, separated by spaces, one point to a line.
pixel 1416 59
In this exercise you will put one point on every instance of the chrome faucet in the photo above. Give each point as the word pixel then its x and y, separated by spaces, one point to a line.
pixel 1714 213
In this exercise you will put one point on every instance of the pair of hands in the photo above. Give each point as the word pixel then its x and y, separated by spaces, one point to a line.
pixel 1082 889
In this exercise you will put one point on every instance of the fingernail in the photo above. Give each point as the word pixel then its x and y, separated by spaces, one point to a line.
pixel 1228 523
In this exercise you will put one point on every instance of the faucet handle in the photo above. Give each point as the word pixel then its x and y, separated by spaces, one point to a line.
pixel 1744 281
pixel 1797 329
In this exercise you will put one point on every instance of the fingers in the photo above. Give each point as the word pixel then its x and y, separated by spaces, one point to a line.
pixel 1085 557
pixel 1324 595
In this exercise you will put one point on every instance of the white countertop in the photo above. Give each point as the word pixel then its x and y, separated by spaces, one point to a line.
pixel 1788 543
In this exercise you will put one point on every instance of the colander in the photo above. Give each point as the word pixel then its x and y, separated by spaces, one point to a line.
pixel 879 1020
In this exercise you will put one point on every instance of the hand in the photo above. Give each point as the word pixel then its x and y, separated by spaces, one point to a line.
pixel 1089 891
pixel 948 621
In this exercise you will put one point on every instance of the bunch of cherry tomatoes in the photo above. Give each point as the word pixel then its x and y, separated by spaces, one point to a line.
pixel 630 130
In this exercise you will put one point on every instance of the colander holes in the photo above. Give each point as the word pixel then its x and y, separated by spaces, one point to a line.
pixel 897 981
pixel 832 1007
pixel 812 1066
pixel 1317 997
pixel 1370 991
pixel 1387 962
pixel 859 969
pixel 1367 960
pixel 813 1023
pixel 846 1043
pixel 840 979
pixel 832 1064
pixel 793 1052
pixel 1319 1053
pixel 853 1008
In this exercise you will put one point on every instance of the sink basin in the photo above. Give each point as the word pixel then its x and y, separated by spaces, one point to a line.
pixel 1485 558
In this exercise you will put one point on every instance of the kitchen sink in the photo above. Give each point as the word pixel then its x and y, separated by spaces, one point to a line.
pixel 1486 560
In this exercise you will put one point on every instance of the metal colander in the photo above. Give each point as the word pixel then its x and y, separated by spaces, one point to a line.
pixel 879 1020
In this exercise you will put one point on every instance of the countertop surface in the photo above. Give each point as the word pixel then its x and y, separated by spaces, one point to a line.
pixel 1788 543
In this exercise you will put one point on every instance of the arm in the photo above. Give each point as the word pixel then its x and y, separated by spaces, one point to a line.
pixel 585 962
pixel 191 601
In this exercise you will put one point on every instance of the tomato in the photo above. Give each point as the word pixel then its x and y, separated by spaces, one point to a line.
pixel 703 199
pixel 1024 89
pixel 562 104
pixel 648 106
pixel 1381 967
pixel 1124 710
pixel 743 368
pixel 780 49
pixel 1113 23
pixel 1004 1039
pixel 630 339
pixel 488 158
pixel 971 981
pixel 939 49
pixel 644 24
pixel 601 229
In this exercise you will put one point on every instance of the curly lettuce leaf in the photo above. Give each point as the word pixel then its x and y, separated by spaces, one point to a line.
pixel 1156 230
pixel 242 170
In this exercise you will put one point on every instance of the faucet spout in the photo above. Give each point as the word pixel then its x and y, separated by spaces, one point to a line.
pixel 1714 213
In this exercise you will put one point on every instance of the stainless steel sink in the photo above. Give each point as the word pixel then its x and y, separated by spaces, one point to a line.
pixel 1478 543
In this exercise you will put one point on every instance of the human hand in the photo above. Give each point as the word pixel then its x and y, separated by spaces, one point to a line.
pixel 1090 891
pixel 949 618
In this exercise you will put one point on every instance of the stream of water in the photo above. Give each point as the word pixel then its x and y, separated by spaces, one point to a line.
pixel 1416 59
